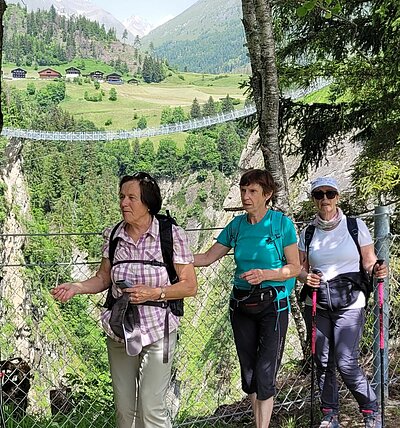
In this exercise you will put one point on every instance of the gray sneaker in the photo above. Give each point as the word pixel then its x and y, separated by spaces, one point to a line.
pixel 372 420
pixel 330 420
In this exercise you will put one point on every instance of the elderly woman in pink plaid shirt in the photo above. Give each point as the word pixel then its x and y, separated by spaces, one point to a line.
pixel 140 377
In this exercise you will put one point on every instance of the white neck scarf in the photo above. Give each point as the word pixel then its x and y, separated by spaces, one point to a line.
pixel 331 224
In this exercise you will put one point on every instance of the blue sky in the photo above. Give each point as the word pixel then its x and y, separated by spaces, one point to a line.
pixel 153 11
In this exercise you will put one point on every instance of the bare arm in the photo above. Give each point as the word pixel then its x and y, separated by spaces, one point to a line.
pixel 96 284
pixel 302 276
pixel 306 277
pixel 290 270
pixel 369 260
pixel 213 254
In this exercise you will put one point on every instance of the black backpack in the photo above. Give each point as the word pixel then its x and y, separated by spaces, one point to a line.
pixel 167 245
pixel 366 283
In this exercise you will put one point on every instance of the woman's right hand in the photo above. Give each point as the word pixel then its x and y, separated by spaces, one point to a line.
pixel 66 291
pixel 313 280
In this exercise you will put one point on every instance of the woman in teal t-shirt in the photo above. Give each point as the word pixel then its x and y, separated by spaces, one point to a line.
pixel 267 260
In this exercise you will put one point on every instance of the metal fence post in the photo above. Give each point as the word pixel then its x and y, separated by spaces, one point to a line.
pixel 382 244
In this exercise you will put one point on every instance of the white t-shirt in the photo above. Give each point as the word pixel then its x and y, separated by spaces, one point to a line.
pixel 334 252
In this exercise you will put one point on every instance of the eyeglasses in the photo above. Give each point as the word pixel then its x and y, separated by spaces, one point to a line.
pixel 319 194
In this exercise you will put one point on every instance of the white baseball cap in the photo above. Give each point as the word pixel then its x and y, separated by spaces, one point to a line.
pixel 324 181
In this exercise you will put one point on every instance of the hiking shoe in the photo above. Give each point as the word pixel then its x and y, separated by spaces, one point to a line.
pixel 330 420
pixel 372 419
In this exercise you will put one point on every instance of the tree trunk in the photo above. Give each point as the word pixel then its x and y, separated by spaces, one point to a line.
pixel 2 10
pixel 258 25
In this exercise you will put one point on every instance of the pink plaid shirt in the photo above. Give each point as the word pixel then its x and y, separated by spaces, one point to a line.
pixel 148 247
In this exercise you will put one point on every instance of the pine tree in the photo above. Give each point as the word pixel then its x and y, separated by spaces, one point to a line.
pixel 195 110
pixel 209 108
pixel 227 104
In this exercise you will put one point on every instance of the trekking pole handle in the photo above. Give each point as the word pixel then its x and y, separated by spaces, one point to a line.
pixel 314 292
pixel 380 262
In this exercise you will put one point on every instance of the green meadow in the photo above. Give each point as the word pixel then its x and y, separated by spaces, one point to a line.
pixel 134 101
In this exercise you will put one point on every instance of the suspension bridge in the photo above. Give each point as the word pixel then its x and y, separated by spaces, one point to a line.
pixel 188 125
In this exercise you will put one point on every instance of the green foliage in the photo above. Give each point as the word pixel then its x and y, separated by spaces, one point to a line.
pixel 201 152
pixel 357 51
pixel 53 93
pixel 30 88
pixel 144 155
pixel 142 122
pixel 227 104
pixel 195 109
pixel 214 44
pixel 153 70
pixel 209 108
pixel 167 159
pixel 230 148
pixel 166 116
pixel 112 94
pixel 378 176
pixel 172 115
pixel 94 97
pixel 45 39
pixel 327 7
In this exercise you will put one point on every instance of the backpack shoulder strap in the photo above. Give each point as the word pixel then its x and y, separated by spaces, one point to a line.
pixel 277 231
pixel 282 295
pixel 167 243
pixel 352 227
pixel 113 243
pixel 308 236
pixel 112 246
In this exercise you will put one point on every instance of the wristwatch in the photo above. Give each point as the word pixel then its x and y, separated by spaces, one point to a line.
pixel 162 294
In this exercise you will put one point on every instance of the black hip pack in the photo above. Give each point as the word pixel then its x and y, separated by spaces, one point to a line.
pixel 254 301
pixel 339 292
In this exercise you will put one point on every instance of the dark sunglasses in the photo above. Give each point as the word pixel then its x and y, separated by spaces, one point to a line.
pixel 319 194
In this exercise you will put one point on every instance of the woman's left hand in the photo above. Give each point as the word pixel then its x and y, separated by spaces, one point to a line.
pixel 253 276
pixel 141 293
pixel 380 271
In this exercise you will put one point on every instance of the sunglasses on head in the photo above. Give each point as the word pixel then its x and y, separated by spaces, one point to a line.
pixel 143 176
pixel 319 194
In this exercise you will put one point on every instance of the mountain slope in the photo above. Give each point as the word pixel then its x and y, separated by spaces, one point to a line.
pixel 207 37
pixel 137 25
pixel 87 9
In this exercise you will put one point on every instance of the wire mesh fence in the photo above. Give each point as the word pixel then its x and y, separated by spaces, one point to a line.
pixel 54 359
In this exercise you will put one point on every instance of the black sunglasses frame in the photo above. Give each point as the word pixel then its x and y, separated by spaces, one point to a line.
pixel 319 194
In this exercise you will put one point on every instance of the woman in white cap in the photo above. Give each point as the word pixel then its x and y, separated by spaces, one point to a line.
pixel 335 250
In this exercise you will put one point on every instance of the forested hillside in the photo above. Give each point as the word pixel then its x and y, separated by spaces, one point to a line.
pixel 207 37
pixel 44 38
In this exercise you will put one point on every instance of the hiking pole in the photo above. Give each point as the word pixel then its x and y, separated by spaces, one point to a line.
pixel 380 284
pixel 313 340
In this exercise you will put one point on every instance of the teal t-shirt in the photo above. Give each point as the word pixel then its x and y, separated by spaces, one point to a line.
pixel 259 246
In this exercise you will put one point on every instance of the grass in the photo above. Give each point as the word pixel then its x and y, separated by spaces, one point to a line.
pixel 320 96
pixel 148 100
